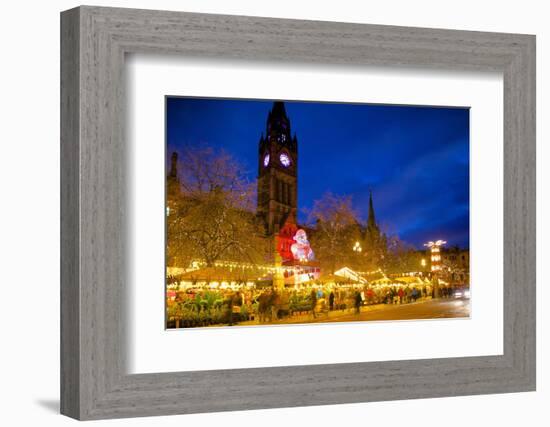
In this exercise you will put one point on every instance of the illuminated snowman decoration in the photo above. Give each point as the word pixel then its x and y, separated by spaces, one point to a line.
pixel 301 250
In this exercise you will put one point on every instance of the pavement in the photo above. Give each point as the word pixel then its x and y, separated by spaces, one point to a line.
pixel 423 309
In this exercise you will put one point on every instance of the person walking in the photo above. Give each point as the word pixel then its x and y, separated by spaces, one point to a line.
pixel 262 307
pixel 313 302
pixel 331 301
pixel 358 302
pixel 275 304
pixel 229 308
pixel 414 294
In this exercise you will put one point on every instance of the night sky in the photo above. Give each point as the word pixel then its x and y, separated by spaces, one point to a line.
pixel 414 159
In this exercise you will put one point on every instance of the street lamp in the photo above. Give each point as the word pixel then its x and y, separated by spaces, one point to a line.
pixel 357 247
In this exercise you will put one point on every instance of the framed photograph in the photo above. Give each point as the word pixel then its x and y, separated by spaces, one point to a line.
pixel 261 213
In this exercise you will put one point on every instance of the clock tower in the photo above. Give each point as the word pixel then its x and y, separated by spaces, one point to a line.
pixel 277 171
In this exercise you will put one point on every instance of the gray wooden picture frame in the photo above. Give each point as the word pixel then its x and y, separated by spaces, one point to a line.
pixel 94 41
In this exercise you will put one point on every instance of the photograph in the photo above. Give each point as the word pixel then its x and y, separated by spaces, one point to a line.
pixel 294 212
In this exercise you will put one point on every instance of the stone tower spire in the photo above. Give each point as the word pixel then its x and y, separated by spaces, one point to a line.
pixel 277 170
pixel 172 180
pixel 371 221
pixel 174 166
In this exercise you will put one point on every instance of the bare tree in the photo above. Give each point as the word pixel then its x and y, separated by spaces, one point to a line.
pixel 401 257
pixel 336 230
pixel 212 217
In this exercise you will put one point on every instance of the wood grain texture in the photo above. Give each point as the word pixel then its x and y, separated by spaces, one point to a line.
pixel 70 291
pixel 94 382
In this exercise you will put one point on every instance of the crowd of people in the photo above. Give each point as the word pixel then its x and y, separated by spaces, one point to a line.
pixel 268 305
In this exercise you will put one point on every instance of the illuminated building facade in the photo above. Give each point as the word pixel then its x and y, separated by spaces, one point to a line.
pixel 456 264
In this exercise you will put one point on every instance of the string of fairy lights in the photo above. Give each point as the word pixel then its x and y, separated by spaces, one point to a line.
pixel 251 269
pixel 269 269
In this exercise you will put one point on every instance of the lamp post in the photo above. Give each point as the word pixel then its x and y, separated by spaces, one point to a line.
pixel 435 262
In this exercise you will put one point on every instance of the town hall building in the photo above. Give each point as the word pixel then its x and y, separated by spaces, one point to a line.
pixel 278 180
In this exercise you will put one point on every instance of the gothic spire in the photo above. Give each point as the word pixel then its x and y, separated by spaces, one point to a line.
pixel 277 120
pixel 174 165
pixel 172 180
pixel 278 110
pixel 371 221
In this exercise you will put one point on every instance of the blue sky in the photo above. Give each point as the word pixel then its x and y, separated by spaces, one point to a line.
pixel 414 159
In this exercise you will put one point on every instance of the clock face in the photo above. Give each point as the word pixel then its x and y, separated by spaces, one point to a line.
pixel 285 160
pixel 266 160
